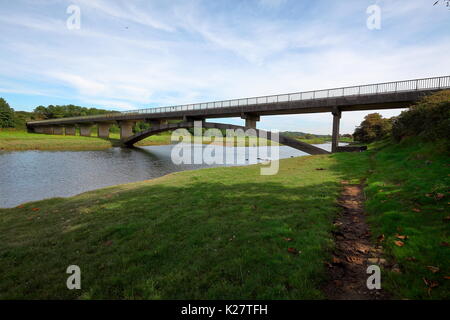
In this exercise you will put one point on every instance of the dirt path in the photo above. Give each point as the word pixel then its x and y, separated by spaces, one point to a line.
pixel 354 250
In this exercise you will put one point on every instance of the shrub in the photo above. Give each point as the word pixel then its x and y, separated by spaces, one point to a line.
pixel 374 127
pixel 6 114
pixel 429 118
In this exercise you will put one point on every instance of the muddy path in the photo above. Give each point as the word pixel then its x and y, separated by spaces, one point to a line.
pixel 354 251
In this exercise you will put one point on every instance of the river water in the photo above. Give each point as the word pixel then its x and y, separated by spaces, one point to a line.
pixel 36 175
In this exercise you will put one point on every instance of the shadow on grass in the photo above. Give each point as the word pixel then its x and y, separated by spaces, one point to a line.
pixel 200 240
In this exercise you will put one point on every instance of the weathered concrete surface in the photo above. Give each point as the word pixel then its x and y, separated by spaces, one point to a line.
pixel 70 130
pixel 335 135
pixel 250 120
pixel 347 103
pixel 103 129
pixel 58 130
pixel 85 130
pixel 48 130
pixel 305 147
pixel 126 129
pixel 38 129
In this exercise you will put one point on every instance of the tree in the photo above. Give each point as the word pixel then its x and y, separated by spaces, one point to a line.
pixel 374 127
pixel 6 114
pixel 428 119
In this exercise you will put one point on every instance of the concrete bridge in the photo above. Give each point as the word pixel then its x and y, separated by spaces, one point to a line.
pixel 388 95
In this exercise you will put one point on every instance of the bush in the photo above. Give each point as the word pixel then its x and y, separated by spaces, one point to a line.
pixel 373 128
pixel 6 115
pixel 429 118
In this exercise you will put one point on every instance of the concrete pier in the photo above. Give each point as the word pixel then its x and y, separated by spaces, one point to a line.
pixel 85 130
pixel 70 130
pixel 250 120
pixel 103 129
pixel 48 130
pixel 126 129
pixel 58 130
pixel 39 129
pixel 335 137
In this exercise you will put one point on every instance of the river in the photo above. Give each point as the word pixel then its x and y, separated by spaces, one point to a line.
pixel 35 175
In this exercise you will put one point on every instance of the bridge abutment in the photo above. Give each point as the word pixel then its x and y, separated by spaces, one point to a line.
pixel 335 136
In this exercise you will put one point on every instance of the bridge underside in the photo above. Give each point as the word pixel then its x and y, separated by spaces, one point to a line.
pixel 293 143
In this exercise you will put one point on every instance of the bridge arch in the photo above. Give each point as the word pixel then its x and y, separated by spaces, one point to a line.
pixel 293 143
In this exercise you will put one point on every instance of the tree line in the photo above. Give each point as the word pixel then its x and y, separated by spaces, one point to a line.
pixel 9 118
pixel 429 119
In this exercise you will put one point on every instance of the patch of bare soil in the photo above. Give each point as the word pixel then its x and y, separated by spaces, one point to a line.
pixel 354 251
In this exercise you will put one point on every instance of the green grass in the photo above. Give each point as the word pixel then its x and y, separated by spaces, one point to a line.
pixel 21 140
pixel 218 233
pixel 407 188
pixel 325 140
pixel 207 234
pixel 15 140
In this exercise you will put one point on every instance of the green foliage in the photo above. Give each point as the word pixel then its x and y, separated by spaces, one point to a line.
pixel 54 112
pixel 406 189
pixel 6 115
pixel 429 118
pixel 373 128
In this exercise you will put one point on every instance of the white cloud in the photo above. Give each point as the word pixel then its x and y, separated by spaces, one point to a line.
pixel 136 54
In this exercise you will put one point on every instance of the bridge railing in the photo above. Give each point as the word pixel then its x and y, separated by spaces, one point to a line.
pixel 370 89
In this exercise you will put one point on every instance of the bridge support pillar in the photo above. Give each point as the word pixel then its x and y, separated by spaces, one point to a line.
pixel 48 130
pixel 58 130
pixel 85 130
pixel 250 120
pixel 335 137
pixel 103 129
pixel 126 129
pixel 38 129
pixel 70 130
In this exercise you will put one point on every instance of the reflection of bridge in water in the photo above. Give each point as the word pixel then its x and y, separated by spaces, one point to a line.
pixel 389 95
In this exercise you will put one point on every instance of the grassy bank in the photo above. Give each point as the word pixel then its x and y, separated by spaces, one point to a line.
pixel 14 140
pixel 223 232
pixel 212 234
pixel 11 140
pixel 407 189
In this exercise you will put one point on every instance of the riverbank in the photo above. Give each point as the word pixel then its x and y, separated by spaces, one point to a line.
pixel 230 233
pixel 14 140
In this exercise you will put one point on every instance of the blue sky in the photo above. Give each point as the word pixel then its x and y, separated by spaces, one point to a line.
pixel 134 53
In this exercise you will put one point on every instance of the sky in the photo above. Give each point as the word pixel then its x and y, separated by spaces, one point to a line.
pixel 134 54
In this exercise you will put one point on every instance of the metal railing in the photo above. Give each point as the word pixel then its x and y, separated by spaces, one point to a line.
pixel 434 83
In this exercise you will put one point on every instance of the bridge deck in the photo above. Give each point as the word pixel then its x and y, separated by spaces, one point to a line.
pixel 399 94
